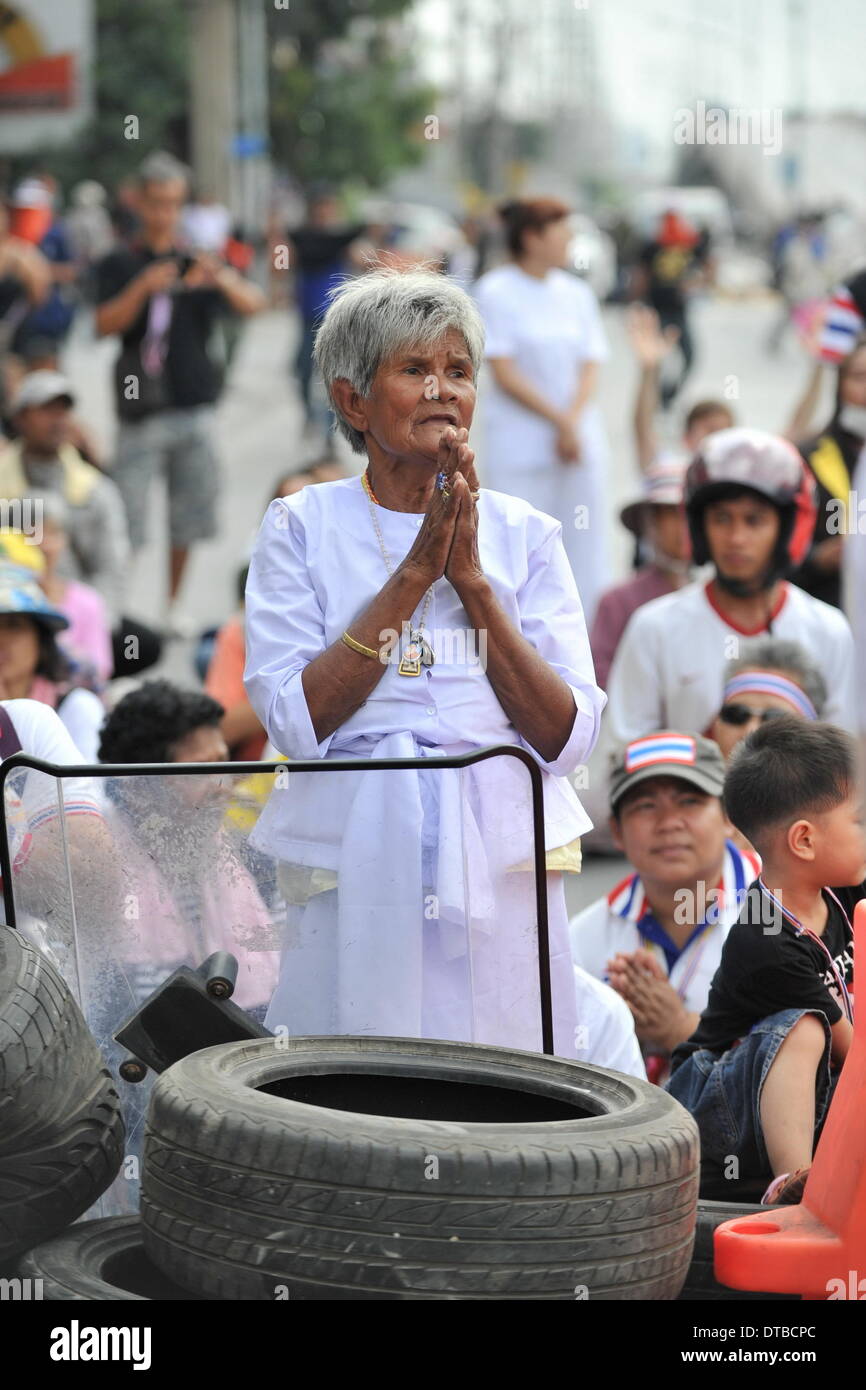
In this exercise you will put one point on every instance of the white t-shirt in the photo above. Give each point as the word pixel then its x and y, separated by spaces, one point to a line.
pixel 668 672
pixel 548 328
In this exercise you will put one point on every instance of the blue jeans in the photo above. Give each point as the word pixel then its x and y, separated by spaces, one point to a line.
pixel 723 1092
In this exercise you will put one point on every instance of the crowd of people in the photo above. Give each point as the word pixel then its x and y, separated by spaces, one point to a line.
pixel 710 695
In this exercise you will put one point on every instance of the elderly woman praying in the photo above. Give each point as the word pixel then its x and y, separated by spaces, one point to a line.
pixel 408 613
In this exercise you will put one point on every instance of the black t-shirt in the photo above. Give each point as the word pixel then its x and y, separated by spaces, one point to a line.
pixel 190 376
pixel 766 967
pixel 669 267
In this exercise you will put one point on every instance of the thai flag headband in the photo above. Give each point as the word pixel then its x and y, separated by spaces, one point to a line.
pixel 660 748
pixel 769 683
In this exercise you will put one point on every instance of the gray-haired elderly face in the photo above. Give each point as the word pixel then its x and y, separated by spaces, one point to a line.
pixel 400 353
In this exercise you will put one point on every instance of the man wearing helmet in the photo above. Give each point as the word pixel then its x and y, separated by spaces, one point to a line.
pixel 750 506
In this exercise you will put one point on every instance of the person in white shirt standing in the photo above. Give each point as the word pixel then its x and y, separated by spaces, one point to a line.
pixel 544 435
pixel 410 893
pixel 657 937
pixel 750 505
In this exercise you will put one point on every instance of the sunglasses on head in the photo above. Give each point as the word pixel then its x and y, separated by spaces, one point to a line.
pixel 738 714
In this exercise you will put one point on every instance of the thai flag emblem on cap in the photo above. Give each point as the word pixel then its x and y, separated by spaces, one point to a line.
pixel 660 748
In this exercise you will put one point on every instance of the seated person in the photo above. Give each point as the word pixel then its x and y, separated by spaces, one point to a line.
pixel 186 879
pixel 771 676
pixel 657 937
pixel 33 666
pixel 657 522
pixel 758 1072
pixel 750 505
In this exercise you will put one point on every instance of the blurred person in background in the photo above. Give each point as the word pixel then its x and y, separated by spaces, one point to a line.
pixel 41 460
pixel 832 456
pixel 241 727
pixel 651 344
pixel 749 500
pixel 32 664
pixel 87 639
pixel 195 895
pixel 41 355
pixel 52 319
pixel 88 223
pixel 657 521
pixel 770 677
pixel 25 281
pixel 165 305
pixel 323 250
pixel 544 436
pixel 669 268
pixel 802 273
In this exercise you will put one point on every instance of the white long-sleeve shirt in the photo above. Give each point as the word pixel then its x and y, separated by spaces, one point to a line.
pixel 369 957
pixel 317 564
pixel 668 672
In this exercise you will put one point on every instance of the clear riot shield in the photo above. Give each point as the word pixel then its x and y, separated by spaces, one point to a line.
pixel 398 898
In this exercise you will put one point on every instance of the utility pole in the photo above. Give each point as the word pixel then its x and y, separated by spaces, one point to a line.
pixel 251 142
pixel 213 97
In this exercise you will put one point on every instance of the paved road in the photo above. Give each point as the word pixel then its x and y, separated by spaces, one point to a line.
pixel 260 437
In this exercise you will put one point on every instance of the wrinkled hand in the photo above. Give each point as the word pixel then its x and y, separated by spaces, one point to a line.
pixel 429 554
pixel 567 444
pixel 660 1017
pixel 464 564
pixel 650 343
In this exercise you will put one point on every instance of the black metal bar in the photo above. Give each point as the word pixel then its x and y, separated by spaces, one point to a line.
pixel 456 760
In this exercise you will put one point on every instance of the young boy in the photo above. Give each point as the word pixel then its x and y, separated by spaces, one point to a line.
pixel 758 1073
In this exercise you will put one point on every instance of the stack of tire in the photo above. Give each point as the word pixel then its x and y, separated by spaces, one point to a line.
pixel 342 1168
pixel 61 1141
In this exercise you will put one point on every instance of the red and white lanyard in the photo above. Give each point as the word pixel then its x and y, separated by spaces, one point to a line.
pixel 807 931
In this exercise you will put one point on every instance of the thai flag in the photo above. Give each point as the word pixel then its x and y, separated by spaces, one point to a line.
pixel 843 323
pixel 660 748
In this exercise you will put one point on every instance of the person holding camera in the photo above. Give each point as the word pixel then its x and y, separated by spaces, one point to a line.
pixel 164 304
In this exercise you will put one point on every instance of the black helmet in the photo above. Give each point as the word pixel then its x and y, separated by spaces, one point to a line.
pixel 737 460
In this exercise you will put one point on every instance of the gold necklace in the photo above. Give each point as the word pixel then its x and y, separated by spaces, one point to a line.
pixel 417 651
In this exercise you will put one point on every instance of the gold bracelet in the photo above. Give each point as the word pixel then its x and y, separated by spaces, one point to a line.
pixel 357 647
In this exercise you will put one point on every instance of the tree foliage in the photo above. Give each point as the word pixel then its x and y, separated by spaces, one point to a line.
pixel 344 107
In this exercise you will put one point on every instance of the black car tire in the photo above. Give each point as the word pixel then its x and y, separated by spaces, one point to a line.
pixel 382 1168
pixel 61 1128
pixel 102 1260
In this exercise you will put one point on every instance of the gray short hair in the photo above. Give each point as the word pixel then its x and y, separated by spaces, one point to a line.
pixel 385 312
pixel 162 167
pixel 778 654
